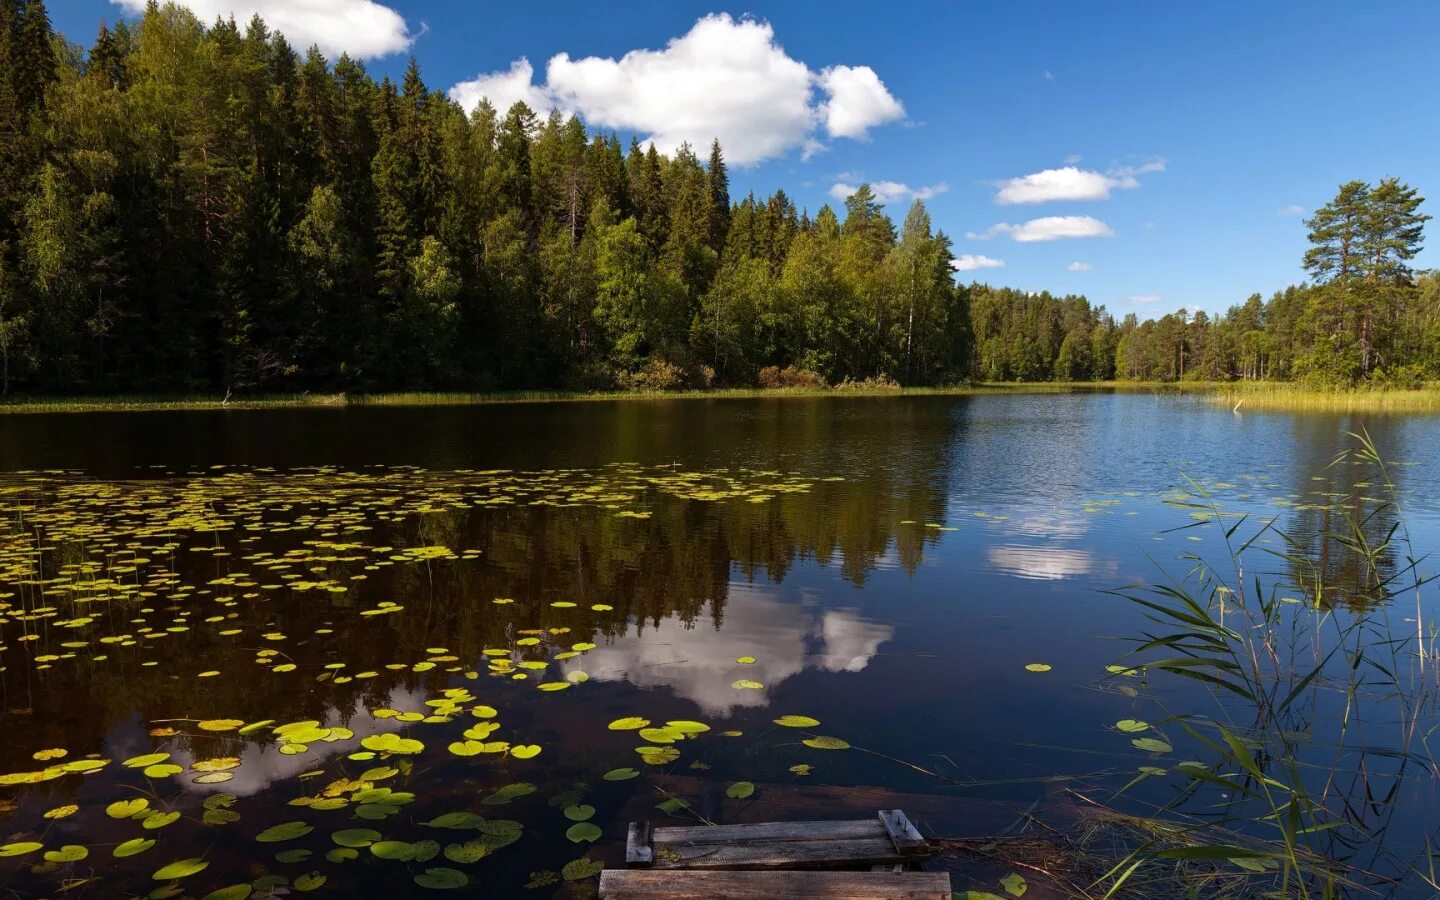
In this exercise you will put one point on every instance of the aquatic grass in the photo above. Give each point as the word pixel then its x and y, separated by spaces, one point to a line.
pixel 1308 804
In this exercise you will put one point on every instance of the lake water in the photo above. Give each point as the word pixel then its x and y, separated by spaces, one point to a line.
pixel 886 566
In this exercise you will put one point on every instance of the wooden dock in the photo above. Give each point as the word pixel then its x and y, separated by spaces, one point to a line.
pixel 848 859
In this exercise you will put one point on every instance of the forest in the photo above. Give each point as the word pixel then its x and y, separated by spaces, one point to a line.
pixel 190 207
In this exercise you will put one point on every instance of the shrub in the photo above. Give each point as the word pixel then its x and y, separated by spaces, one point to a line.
pixel 773 377
pixel 875 384
pixel 657 375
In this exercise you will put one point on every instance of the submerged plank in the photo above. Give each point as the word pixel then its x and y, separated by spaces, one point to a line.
pixel 777 854
pixel 638 849
pixel 618 884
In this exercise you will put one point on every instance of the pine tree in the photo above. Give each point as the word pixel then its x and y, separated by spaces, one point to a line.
pixel 719 198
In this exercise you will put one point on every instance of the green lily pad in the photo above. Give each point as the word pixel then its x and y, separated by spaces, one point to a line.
pixel 180 868
pixel 287 831
pixel 740 790
pixel 442 879
pixel 584 832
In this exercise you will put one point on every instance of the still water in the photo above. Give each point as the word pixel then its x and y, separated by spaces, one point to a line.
pixel 886 566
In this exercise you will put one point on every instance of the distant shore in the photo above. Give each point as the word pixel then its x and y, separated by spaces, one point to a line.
pixel 1239 395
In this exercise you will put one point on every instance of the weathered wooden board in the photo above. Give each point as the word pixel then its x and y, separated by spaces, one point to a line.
pixel 777 854
pixel 771 831
pixel 903 834
pixel 652 884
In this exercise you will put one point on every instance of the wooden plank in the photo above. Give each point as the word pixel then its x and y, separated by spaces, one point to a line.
pixel 617 884
pixel 777 854
pixel 770 831
pixel 638 849
pixel 905 836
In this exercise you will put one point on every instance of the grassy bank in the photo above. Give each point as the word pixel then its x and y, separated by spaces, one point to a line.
pixel 1241 396
pixel 1284 397
pixel 149 403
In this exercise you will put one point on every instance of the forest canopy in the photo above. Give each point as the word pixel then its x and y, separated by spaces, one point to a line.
pixel 192 207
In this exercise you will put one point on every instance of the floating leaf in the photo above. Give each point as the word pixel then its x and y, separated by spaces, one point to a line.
pixel 180 868
pixel 159 820
pixel 629 723
pixel 309 881
pixel 133 847
pixel 821 742
pixel 1038 667
pixel 400 851
pixel 67 854
pixel 61 812
pixel 468 852
pixel 20 848
pixel 746 684
pixel 286 831
pixel 149 759
pixel 525 751
pixel 127 809
pixel 740 790
pixel 1152 745
pixel 1132 725
pixel 582 868
pixel 745 660
pixel 579 813
pixel 797 721
pixel 459 820
pixel 584 832
pixel 442 879
pixel 230 892
pixel 220 724
pixel 1014 884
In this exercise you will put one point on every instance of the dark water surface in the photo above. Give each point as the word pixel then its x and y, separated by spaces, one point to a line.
pixel 890 564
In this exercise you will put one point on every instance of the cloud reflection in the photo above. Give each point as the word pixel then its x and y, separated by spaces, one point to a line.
pixel 1044 563
pixel 697 660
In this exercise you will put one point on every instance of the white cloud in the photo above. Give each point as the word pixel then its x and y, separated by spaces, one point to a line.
pixel 1291 210
pixel 724 78
pixel 889 191
pixel 362 28
pixel 970 262
pixel 858 101
pixel 504 89
pixel 1072 159
pixel 1072 183
pixel 1144 299
pixel 1048 228
pixel 1078 266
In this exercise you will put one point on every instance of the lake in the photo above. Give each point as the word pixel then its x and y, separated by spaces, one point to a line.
pixel 399 590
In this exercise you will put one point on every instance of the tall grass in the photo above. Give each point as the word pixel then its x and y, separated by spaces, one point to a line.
pixel 1319 699
pixel 1283 396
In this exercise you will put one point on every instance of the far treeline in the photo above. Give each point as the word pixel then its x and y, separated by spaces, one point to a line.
pixel 190 208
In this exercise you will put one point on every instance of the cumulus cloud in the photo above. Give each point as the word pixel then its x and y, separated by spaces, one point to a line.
pixel 1072 183
pixel 970 262
pixel 505 89
pixel 858 101
pixel 725 78
pixel 889 191
pixel 1078 266
pixel 1048 228
pixel 362 28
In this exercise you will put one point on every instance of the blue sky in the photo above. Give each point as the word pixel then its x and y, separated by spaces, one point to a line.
pixel 1197 135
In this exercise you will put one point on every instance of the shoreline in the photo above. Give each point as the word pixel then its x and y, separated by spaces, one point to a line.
pixel 1242 396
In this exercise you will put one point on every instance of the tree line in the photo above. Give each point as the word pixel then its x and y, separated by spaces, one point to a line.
pixel 187 207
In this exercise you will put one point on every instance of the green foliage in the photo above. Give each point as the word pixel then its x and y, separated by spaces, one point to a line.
pixel 202 209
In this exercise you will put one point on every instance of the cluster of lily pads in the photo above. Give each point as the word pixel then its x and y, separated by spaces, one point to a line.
pixel 108 572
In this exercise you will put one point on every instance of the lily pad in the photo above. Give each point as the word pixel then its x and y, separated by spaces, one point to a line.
pixel 584 832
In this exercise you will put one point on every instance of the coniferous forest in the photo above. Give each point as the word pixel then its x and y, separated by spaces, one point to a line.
pixel 193 207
